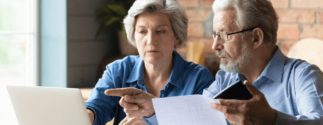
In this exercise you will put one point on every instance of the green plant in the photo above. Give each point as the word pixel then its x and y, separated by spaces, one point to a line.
pixel 111 15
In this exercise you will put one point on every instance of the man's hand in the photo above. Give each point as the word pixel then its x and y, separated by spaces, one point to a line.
pixel 132 121
pixel 255 111
pixel 136 103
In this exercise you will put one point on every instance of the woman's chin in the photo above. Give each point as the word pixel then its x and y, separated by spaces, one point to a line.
pixel 152 60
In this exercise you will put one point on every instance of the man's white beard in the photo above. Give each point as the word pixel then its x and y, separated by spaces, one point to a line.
pixel 234 65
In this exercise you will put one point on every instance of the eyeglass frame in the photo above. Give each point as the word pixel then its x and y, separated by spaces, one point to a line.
pixel 214 34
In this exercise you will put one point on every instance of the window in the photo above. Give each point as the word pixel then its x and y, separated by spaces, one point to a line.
pixel 18 50
pixel 18 42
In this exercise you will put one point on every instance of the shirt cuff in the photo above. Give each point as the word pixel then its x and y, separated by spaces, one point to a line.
pixel 99 118
pixel 284 119
pixel 151 120
pixel 95 122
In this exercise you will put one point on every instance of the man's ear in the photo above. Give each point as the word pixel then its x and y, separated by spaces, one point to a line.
pixel 258 38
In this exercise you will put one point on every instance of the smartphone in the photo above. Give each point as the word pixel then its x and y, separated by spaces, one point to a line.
pixel 237 91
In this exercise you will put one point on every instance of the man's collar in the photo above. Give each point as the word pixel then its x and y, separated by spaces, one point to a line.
pixel 275 68
pixel 137 72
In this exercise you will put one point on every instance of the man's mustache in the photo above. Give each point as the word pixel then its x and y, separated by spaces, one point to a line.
pixel 222 54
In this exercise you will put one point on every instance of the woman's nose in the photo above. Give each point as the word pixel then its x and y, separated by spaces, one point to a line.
pixel 151 38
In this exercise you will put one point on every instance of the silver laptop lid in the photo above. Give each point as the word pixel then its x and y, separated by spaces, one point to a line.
pixel 48 106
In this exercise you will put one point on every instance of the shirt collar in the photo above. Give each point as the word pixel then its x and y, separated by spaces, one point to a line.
pixel 137 73
pixel 273 70
pixel 275 67
pixel 176 77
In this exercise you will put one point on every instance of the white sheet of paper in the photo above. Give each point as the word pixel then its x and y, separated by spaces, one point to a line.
pixel 187 110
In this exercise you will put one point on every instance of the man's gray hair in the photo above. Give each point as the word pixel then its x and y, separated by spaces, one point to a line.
pixel 253 13
pixel 171 8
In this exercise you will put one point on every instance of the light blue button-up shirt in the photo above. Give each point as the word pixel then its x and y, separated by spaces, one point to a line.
pixel 293 87
pixel 186 78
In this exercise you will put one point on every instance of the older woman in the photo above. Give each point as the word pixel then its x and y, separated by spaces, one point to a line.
pixel 155 27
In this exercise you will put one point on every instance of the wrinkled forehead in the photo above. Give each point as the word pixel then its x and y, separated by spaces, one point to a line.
pixel 155 18
pixel 225 20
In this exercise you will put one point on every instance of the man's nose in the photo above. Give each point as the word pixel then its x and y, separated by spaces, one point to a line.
pixel 217 44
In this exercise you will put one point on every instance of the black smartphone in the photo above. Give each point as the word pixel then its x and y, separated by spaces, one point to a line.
pixel 237 91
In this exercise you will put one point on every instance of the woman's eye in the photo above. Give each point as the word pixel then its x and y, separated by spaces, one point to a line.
pixel 141 31
pixel 160 31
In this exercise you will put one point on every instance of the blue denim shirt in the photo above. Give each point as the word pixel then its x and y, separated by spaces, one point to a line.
pixel 293 87
pixel 186 78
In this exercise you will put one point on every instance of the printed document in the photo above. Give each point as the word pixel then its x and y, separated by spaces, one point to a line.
pixel 187 110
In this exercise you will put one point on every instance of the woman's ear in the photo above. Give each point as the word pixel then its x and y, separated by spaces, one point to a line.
pixel 176 43
pixel 258 38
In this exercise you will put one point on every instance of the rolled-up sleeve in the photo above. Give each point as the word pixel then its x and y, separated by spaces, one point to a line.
pixel 310 119
pixel 103 106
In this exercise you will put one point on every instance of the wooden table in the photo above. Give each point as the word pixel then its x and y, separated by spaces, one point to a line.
pixel 86 93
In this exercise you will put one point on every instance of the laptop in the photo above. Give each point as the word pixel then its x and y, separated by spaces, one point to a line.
pixel 48 106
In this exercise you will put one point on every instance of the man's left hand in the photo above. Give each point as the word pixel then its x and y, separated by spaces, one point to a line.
pixel 255 111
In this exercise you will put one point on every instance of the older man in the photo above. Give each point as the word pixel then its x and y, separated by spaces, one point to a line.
pixel 285 91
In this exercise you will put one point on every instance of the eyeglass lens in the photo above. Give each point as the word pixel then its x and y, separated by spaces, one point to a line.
pixel 223 36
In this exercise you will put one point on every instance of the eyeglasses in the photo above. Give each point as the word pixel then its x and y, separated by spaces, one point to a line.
pixel 224 36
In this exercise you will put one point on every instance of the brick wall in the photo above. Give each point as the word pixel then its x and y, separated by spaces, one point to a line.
pixel 200 17
pixel 298 19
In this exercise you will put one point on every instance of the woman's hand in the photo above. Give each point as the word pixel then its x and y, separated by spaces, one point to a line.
pixel 136 103
pixel 91 115
pixel 132 121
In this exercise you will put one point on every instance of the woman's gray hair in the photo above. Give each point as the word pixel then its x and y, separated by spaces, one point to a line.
pixel 253 13
pixel 171 8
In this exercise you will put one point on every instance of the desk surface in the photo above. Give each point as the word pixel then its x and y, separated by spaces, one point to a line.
pixel 86 93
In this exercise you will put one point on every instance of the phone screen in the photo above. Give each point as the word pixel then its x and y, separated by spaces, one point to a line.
pixel 236 91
